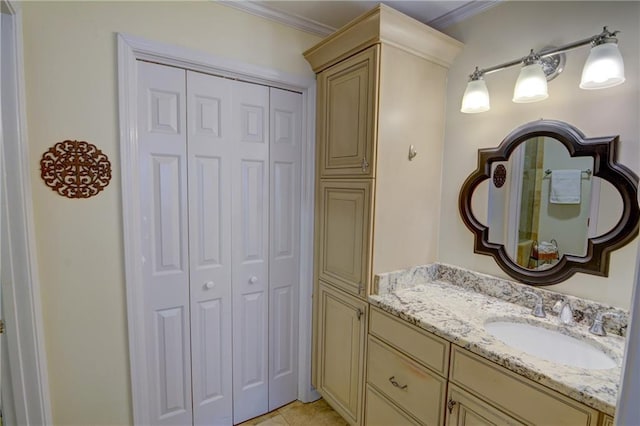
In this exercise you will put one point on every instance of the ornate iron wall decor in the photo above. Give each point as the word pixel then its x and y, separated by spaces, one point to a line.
pixel 75 169
pixel 499 175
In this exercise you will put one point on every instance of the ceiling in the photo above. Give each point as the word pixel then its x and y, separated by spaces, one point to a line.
pixel 325 16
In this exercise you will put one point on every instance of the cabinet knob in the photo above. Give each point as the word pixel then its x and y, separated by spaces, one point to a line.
pixel 364 164
pixel 450 405
pixel 253 280
pixel 209 285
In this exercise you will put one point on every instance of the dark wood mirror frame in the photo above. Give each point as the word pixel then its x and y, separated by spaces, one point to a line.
pixel 603 151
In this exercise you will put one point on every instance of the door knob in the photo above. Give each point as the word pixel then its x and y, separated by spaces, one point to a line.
pixel 253 280
pixel 209 285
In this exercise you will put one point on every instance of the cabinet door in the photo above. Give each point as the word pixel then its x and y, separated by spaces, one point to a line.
pixel 466 410
pixel 345 234
pixel 347 94
pixel 606 420
pixel 341 349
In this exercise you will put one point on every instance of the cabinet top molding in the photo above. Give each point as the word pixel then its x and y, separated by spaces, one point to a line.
pixel 384 24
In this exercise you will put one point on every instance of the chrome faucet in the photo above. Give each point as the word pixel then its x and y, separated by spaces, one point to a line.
pixel 597 327
pixel 538 308
pixel 565 313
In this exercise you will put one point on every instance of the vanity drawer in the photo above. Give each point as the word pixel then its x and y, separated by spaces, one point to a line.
pixel 525 400
pixel 381 412
pixel 430 350
pixel 412 387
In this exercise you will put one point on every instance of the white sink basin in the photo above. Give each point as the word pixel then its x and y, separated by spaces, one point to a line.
pixel 550 345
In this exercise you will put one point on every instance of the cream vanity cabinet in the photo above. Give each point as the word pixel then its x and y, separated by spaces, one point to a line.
pixel 466 409
pixel 344 226
pixel 342 333
pixel 407 368
pixel 607 421
pixel 381 84
pixel 512 396
pixel 347 96
pixel 419 378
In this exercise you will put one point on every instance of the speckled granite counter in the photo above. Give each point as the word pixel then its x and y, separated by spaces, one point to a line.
pixel 455 303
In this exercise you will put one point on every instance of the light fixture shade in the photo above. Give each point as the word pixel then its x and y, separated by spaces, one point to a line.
pixel 531 85
pixel 476 97
pixel 604 67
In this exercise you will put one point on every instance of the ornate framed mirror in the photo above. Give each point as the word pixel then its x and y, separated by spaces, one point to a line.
pixel 542 189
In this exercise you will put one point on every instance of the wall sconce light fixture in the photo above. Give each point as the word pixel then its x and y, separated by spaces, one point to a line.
pixel 604 68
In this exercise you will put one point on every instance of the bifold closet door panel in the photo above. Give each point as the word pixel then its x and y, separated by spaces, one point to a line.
pixel 220 186
pixel 284 252
pixel 210 155
pixel 250 252
pixel 164 235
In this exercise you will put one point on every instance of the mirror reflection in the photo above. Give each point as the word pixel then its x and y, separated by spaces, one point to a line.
pixel 545 205
pixel 542 214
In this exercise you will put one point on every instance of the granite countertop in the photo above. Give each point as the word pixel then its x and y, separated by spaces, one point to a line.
pixel 453 303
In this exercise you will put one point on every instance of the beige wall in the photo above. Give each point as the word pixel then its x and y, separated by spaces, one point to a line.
pixel 71 80
pixel 566 223
pixel 71 71
pixel 508 31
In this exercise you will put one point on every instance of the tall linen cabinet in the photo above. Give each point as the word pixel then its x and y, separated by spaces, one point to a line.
pixel 219 217
pixel 381 99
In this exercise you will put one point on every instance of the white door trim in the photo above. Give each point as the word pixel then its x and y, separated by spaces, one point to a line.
pixel 131 49
pixel 25 335
pixel 592 231
pixel 515 198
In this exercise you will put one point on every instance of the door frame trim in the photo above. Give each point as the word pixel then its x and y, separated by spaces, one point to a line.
pixel 25 331
pixel 131 49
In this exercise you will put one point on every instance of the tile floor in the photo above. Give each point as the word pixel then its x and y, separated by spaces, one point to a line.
pixel 316 413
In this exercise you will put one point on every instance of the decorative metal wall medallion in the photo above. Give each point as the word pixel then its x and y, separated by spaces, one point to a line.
pixel 75 169
pixel 553 65
pixel 499 175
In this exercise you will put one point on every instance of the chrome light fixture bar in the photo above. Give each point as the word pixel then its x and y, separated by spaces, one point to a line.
pixel 604 68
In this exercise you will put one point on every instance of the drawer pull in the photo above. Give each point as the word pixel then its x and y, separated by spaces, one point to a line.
pixel 364 165
pixel 450 405
pixel 359 313
pixel 393 381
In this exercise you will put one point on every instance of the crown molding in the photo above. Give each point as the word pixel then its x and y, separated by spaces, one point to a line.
pixel 463 12
pixel 261 9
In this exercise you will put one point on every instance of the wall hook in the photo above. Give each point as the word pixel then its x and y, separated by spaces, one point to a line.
pixel 412 152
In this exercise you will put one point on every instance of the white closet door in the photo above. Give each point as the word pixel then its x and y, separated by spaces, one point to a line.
pixel 210 149
pixel 165 262
pixel 284 251
pixel 250 229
